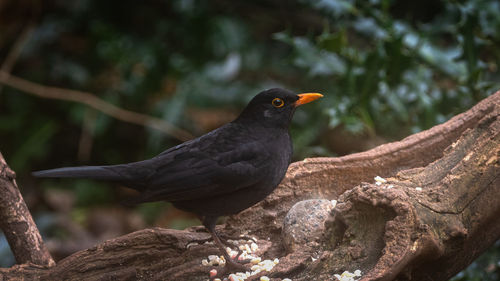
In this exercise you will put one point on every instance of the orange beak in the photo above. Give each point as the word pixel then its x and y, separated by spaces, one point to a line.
pixel 307 98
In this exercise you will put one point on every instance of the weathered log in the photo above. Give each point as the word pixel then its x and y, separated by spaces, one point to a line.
pixel 437 212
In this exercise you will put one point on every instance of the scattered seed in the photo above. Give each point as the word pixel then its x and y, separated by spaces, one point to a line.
pixel 334 203
pixel 380 179
pixel 348 276
pixel 264 278
pixel 246 248
pixel 233 254
pixel 418 188
pixel 254 246
pixel 256 260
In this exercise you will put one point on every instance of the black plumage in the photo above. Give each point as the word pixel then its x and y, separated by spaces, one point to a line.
pixel 220 173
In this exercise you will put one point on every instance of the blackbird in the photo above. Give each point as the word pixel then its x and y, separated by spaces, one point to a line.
pixel 220 173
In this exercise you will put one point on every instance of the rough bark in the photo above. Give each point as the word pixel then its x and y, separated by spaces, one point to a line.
pixel 17 224
pixel 437 212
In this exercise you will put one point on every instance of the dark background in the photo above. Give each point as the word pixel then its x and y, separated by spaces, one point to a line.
pixel 387 69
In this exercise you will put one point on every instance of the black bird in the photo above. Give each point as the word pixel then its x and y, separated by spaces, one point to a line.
pixel 220 173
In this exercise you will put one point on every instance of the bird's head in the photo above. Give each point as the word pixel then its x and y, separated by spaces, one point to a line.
pixel 275 107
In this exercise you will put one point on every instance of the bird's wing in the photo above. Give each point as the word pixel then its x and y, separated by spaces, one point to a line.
pixel 194 174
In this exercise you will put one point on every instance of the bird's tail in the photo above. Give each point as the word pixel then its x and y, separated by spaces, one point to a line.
pixel 87 172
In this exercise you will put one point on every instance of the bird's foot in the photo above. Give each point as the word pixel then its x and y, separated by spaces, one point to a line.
pixel 230 267
pixel 241 259
pixel 237 265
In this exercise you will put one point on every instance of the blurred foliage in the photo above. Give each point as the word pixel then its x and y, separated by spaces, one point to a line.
pixel 151 210
pixel 391 73
pixel 484 268
pixel 387 69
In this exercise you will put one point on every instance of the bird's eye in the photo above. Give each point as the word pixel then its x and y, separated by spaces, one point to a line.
pixel 277 102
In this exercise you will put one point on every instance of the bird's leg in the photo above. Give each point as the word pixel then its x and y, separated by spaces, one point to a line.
pixel 224 241
pixel 230 263
pixel 207 222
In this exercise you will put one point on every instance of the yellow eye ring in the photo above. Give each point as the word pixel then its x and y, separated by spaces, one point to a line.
pixel 277 102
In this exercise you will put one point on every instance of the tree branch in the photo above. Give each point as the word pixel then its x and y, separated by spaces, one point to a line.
pixel 94 102
pixel 16 50
pixel 17 224
pixel 438 210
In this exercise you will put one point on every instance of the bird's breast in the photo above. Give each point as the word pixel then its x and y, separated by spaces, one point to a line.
pixel 281 151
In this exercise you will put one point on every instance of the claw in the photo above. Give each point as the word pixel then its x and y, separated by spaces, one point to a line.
pixel 230 267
